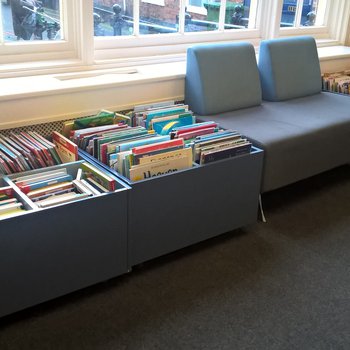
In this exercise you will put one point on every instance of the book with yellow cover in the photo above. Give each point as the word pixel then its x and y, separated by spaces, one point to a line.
pixel 165 166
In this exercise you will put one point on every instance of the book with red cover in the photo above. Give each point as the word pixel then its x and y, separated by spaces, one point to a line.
pixel 34 157
pixel 49 145
pixel 40 184
pixel 10 163
pixel 45 154
pixel 66 149
pixel 7 191
pixel 34 150
pixel 195 133
pixel 195 127
pixel 158 146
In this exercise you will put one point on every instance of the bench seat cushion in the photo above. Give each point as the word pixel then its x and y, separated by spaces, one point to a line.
pixel 221 78
pixel 301 137
pixel 289 68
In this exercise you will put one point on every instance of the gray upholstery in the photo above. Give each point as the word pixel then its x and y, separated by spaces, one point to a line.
pixel 301 137
pixel 289 68
pixel 307 133
pixel 221 78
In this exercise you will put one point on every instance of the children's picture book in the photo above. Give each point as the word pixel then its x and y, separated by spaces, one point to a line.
pixel 66 149
pixel 166 166
pixel 90 171
pixel 104 117
pixel 164 127
pixel 9 204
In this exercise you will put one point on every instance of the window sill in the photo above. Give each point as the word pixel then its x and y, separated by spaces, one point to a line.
pixel 43 85
pixel 333 52
pixel 40 85
pixel 55 97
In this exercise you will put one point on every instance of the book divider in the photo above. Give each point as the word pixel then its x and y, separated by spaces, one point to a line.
pixel 172 211
pixel 46 253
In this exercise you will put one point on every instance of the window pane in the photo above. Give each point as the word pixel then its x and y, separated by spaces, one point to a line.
pixel 202 15
pixel 30 20
pixel 308 13
pixel 113 18
pixel 237 14
pixel 308 16
pixel 158 17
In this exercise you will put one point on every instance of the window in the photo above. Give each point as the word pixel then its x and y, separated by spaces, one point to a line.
pixel 298 13
pixel 155 2
pixel 172 17
pixel 30 20
pixel 33 31
pixel 132 32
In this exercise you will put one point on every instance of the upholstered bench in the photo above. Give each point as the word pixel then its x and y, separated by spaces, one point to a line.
pixel 277 104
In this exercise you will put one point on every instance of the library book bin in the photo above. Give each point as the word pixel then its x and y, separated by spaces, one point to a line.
pixel 46 253
pixel 172 211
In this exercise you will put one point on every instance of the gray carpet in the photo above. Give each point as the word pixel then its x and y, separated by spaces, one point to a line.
pixel 280 285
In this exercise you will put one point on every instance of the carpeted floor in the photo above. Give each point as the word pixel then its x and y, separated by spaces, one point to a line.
pixel 280 285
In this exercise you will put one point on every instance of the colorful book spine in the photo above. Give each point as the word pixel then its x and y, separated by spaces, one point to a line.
pixel 158 146
pixel 39 184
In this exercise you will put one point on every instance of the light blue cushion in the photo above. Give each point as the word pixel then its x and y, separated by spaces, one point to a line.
pixel 221 78
pixel 301 137
pixel 289 68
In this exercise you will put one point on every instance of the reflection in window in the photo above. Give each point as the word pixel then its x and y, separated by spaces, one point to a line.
pixel 296 13
pixel 30 20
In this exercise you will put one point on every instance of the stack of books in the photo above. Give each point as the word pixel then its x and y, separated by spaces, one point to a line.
pixel 103 117
pixel 336 82
pixel 162 117
pixel 52 187
pixel 210 144
pixel 220 145
pixel 105 141
pixel 26 151
pixel 190 132
pixel 164 138
pixel 150 160
pixel 9 205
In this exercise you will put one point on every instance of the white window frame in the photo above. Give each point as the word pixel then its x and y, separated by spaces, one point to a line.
pixel 161 47
pixel 20 56
pixel 201 10
pixel 320 30
pixel 155 2
pixel 81 51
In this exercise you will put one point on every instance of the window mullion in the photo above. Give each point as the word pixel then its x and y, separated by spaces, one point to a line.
pixel 136 6
pixel 298 13
pixel 182 16
pixel 222 15
pixel 86 33
pixel 339 20
pixel 1 27
pixel 253 14
pixel 270 18
pixel 321 12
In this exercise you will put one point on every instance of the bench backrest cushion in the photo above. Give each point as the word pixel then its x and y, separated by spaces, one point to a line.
pixel 221 78
pixel 289 68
